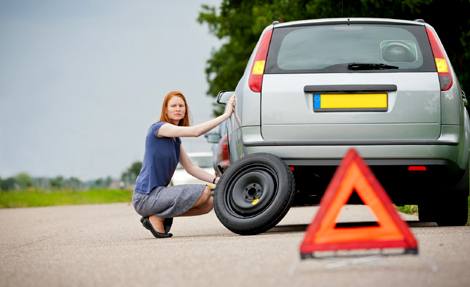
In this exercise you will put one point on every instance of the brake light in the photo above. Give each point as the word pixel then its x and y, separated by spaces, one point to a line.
pixel 225 143
pixel 416 168
pixel 445 77
pixel 225 148
pixel 257 70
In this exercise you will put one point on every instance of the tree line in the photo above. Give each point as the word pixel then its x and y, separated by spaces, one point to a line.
pixel 23 181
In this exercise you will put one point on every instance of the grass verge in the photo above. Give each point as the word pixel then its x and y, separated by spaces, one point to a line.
pixel 408 209
pixel 35 198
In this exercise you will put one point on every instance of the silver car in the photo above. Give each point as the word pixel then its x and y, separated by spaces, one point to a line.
pixel 314 89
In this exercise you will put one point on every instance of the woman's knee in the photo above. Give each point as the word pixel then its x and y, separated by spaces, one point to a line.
pixel 206 194
pixel 209 205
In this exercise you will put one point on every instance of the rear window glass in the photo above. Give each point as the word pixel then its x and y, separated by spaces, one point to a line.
pixel 330 48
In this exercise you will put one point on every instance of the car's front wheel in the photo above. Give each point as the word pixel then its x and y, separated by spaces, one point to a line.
pixel 254 194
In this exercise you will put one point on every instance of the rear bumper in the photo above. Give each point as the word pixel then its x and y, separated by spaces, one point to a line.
pixel 446 151
pixel 444 160
pixel 450 135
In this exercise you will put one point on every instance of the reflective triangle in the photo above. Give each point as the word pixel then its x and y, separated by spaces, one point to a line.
pixel 354 175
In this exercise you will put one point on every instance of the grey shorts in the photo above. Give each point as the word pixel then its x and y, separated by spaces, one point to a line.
pixel 167 202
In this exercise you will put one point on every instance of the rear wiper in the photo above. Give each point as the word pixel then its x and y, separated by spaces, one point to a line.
pixel 369 66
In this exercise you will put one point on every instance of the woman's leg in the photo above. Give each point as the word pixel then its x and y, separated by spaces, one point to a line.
pixel 157 223
pixel 203 205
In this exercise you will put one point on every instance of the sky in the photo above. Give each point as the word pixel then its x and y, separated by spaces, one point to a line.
pixel 82 81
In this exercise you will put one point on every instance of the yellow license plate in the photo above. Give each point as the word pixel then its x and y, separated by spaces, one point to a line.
pixel 350 102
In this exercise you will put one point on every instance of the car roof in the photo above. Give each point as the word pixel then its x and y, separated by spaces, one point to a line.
pixel 349 20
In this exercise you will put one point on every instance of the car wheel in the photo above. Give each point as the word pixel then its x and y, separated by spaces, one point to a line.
pixel 254 194
pixel 427 209
pixel 449 207
pixel 456 211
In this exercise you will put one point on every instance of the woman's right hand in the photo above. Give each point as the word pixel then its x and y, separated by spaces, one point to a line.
pixel 231 105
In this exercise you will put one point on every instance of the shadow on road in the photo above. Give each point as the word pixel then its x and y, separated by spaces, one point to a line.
pixel 288 228
pixel 303 227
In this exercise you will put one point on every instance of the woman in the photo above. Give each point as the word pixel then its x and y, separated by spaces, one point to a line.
pixel 152 199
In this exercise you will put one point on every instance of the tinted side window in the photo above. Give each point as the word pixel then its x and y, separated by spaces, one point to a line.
pixel 330 48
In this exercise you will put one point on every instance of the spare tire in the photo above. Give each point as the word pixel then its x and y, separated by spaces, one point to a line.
pixel 254 194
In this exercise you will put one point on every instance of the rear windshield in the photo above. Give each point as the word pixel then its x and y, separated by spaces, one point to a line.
pixel 333 48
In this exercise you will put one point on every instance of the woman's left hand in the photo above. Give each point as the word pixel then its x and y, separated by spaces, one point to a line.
pixel 216 180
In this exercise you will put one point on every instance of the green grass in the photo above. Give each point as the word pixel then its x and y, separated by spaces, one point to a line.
pixel 408 209
pixel 34 198
pixel 413 210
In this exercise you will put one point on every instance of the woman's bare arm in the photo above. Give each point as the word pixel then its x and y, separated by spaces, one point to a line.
pixel 198 130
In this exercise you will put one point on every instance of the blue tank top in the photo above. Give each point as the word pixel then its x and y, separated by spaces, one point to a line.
pixel 161 157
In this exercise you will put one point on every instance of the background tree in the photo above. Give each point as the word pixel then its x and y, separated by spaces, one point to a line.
pixel 108 181
pixel 98 183
pixel 24 180
pixel 240 23
pixel 7 184
pixel 130 175
pixel 57 182
pixel 74 183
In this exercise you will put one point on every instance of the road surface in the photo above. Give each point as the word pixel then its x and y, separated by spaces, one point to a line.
pixel 105 245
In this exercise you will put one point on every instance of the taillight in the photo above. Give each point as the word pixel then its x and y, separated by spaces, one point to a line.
pixel 225 148
pixel 416 168
pixel 257 70
pixel 445 77
pixel 225 143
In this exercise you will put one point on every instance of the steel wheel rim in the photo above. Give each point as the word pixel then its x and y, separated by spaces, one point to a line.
pixel 251 191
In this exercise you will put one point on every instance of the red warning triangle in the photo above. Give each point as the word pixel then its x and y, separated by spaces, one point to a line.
pixel 354 175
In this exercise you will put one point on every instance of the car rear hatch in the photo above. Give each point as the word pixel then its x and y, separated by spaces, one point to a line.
pixel 350 82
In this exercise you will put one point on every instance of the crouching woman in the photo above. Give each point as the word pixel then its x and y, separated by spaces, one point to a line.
pixel 153 199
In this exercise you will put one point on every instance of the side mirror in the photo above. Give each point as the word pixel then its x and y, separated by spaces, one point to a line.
pixel 213 138
pixel 210 133
pixel 224 96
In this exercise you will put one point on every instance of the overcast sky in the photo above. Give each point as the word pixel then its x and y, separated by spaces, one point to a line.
pixel 82 81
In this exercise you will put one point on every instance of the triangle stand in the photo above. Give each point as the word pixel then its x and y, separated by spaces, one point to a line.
pixel 371 260
pixel 323 234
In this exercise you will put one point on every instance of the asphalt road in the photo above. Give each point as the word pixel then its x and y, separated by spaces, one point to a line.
pixel 105 245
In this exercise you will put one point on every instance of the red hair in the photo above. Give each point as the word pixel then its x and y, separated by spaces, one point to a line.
pixel 186 120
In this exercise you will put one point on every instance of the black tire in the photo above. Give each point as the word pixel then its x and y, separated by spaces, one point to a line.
pixel 447 206
pixel 254 194
pixel 449 211
pixel 455 212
